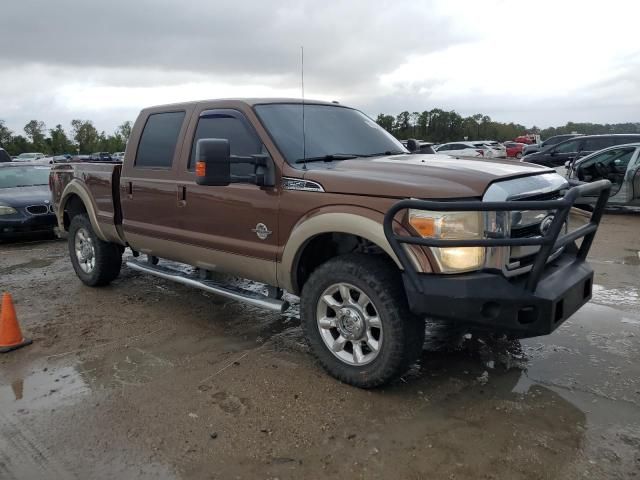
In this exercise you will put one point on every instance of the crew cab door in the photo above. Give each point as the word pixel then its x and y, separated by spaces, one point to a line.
pixel 234 228
pixel 151 218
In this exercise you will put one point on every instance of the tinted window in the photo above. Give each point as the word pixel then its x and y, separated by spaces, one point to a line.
pixel 4 156
pixel 444 148
pixel 329 129
pixel 567 147
pixel 158 140
pixel 595 144
pixel 242 140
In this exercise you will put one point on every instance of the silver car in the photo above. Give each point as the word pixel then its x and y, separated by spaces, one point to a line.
pixel 619 164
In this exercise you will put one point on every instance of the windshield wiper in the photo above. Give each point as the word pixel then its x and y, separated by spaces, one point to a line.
pixel 388 152
pixel 329 158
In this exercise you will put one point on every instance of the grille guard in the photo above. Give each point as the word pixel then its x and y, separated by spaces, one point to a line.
pixel 549 242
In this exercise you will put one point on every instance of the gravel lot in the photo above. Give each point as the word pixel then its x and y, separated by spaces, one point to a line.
pixel 148 379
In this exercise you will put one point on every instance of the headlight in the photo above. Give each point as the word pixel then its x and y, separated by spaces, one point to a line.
pixel 454 226
pixel 4 210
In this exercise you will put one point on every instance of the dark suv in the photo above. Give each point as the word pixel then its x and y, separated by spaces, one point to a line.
pixel 536 147
pixel 577 147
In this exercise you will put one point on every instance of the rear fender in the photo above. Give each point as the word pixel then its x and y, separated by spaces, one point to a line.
pixel 74 187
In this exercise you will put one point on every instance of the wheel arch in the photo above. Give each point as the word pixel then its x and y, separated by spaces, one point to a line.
pixel 359 227
pixel 76 199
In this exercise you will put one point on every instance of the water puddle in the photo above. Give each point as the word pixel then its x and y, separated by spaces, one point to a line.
pixel 33 263
pixel 46 389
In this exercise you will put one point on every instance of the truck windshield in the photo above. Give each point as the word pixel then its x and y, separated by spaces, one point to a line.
pixel 331 132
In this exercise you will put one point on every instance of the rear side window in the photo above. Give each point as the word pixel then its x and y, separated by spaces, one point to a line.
pixel 595 144
pixel 242 140
pixel 158 141
pixel 568 147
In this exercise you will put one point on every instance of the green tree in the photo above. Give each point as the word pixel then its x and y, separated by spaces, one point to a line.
pixel 386 122
pixel 5 135
pixel 35 130
pixel 85 135
pixel 124 131
pixel 60 142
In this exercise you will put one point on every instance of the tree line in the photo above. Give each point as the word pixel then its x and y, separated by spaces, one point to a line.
pixel 440 126
pixel 83 138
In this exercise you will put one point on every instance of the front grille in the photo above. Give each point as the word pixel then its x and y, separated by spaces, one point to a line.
pixel 522 257
pixel 38 209
pixel 526 232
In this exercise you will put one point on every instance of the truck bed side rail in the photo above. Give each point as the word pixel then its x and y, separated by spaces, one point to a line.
pixel 549 242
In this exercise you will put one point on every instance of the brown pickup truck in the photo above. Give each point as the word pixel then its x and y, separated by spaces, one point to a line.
pixel 315 199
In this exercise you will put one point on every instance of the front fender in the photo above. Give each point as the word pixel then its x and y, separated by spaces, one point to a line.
pixel 362 222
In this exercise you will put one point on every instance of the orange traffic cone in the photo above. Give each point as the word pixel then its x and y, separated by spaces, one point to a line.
pixel 10 334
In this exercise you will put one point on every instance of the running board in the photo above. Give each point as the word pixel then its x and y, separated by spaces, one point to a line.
pixel 239 294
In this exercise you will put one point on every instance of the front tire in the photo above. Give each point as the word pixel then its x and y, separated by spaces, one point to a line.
pixel 95 261
pixel 357 321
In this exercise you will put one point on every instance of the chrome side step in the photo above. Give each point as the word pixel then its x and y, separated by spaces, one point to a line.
pixel 239 294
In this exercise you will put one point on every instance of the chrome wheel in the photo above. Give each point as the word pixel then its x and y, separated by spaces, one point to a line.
pixel 349 324
pixel 85 251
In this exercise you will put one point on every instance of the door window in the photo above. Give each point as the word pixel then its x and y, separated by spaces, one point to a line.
pixel 242 139
pixel 595 144
pixel 567 147
pixel 158 141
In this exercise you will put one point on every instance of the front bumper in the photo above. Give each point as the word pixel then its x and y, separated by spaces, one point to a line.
pixel 531 304
pixel 17 226
pixel 492 302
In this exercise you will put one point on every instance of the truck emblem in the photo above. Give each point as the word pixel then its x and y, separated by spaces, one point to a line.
pixel 261 231
pixel 545 224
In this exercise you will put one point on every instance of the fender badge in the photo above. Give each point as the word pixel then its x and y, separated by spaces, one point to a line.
pixel 261 231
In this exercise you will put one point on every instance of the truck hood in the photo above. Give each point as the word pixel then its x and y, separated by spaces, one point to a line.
pixel 416 176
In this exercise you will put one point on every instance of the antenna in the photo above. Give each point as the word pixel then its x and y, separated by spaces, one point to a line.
pixel 304 138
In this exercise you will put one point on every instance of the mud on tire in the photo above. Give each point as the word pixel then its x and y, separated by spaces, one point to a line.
pixel 95 261
pixel 401 333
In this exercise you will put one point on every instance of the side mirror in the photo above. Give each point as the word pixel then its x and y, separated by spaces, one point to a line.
pixel 413 145
pixel 567 164
pixel 213 162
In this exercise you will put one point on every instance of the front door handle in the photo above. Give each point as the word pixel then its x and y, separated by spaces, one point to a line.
pixel 182 195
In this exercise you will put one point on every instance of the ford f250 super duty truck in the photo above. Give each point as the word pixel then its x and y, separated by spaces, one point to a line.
pixel 316 199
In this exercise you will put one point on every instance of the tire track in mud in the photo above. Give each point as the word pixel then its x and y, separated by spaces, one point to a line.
pixel 22 456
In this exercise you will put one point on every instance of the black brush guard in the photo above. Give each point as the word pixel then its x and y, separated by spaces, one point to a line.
pixel 490 298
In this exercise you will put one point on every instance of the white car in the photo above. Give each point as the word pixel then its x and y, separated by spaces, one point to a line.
pixel 466 149
pixel 118 156
pixel 28 157
pixel 499 150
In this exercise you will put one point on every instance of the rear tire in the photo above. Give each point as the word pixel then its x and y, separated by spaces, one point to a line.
pixel 357 321
pixel 95 261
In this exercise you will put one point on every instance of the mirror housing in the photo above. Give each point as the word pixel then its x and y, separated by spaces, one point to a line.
pixel 412 145
pixel 213 162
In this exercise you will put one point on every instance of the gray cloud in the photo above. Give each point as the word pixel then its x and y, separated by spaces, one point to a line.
pixel 345 42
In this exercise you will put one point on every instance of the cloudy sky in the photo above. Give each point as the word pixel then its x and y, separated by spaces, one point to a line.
pixel 534 62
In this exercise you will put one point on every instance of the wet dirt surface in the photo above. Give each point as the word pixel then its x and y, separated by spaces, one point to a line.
pixel 148 379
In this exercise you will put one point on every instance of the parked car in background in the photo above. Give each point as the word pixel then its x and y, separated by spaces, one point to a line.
pixel 557 155
pixel 465 149
pixel 536 147
pixel 514 149
pixel 25 200
pixel 529 138
pixel 499 150
pixel 620 165
pixel 4 156
pixel 118 156
pixel 28 157
pixel 101 157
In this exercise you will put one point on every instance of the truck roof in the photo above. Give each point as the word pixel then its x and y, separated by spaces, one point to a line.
pixel 247 101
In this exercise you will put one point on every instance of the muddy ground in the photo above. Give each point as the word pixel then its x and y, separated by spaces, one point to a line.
pixel 148 379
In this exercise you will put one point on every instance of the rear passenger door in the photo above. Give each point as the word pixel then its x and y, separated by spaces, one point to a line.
pixel 148 184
